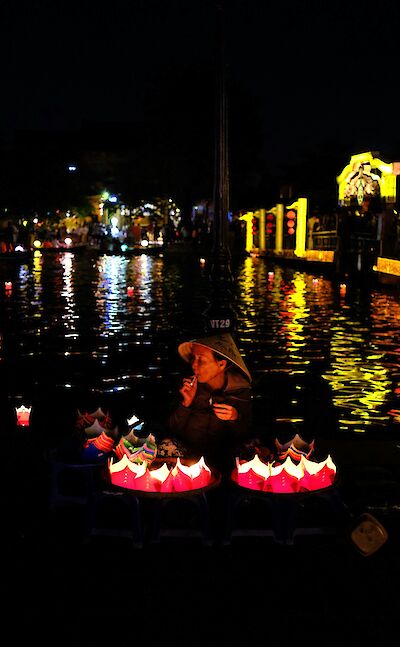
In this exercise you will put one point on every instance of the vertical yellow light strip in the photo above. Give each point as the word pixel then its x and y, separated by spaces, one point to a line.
pixel 279 228
pixel 248 218
pixel 261 229
pixel 301 227
pixel 388 187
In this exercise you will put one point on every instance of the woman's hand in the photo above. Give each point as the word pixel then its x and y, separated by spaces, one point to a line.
pixel 225 411
pixel 188 390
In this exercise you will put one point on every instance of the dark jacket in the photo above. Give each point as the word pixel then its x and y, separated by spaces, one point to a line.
pixel 199 429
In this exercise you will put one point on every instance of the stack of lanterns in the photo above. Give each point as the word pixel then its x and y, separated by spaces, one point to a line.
pixel 136 449
pixel 135 456
pixel 100 436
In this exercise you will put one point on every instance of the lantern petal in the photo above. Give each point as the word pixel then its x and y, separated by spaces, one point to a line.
pixel 95 429
pixel 295 448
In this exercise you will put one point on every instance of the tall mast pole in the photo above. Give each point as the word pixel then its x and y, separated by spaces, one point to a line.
pixel 219 314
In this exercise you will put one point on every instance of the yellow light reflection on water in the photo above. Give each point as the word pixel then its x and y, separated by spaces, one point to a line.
pixel 357 377
pixel 295 307
pixel 298 321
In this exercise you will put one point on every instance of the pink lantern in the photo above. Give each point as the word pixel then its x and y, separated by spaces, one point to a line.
pixel 182 477
pixel 285 478
pixel 201 474
pixel 124 472
pixel 317 475
pixel 144 481
pixel 253 474
pixel 168 484
pixel 23 415
pixel 160 476
pixel 190 477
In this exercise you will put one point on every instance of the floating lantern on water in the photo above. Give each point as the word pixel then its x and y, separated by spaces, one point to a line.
pixel 23 415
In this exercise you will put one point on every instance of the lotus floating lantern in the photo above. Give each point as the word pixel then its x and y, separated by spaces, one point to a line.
pixel 23 415
pixel 285 477
pixel 181 478
pixel 317 475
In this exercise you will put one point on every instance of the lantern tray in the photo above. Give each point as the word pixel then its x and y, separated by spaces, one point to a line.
pixel 300 493
pixel 215 480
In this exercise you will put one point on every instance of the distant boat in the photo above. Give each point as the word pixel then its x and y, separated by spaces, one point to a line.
pixel 19 254
pixel 61 248
pixel 111 247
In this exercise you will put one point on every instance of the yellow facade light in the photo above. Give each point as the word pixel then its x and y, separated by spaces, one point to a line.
pixel 248 218
pixel 387 180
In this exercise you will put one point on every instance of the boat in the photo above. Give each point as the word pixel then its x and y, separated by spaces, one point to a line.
pixel 111 247
pixel 17 255
pixel 61 248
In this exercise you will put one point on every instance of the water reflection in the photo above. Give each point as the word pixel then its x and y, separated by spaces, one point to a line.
pixel 320 353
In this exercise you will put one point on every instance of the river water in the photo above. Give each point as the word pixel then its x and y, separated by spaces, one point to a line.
pixel 83 330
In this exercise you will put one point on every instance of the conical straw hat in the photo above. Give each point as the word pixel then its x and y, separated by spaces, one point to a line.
pixel 223 344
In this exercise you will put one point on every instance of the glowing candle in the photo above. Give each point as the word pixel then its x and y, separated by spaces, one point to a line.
pixel 23 415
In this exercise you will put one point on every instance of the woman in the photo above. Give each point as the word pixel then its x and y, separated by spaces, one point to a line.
pixel 212 414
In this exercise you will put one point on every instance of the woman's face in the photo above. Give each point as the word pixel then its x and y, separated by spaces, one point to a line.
pixel 205 367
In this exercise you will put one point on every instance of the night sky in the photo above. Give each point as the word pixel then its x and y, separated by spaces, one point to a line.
pixel 309 83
